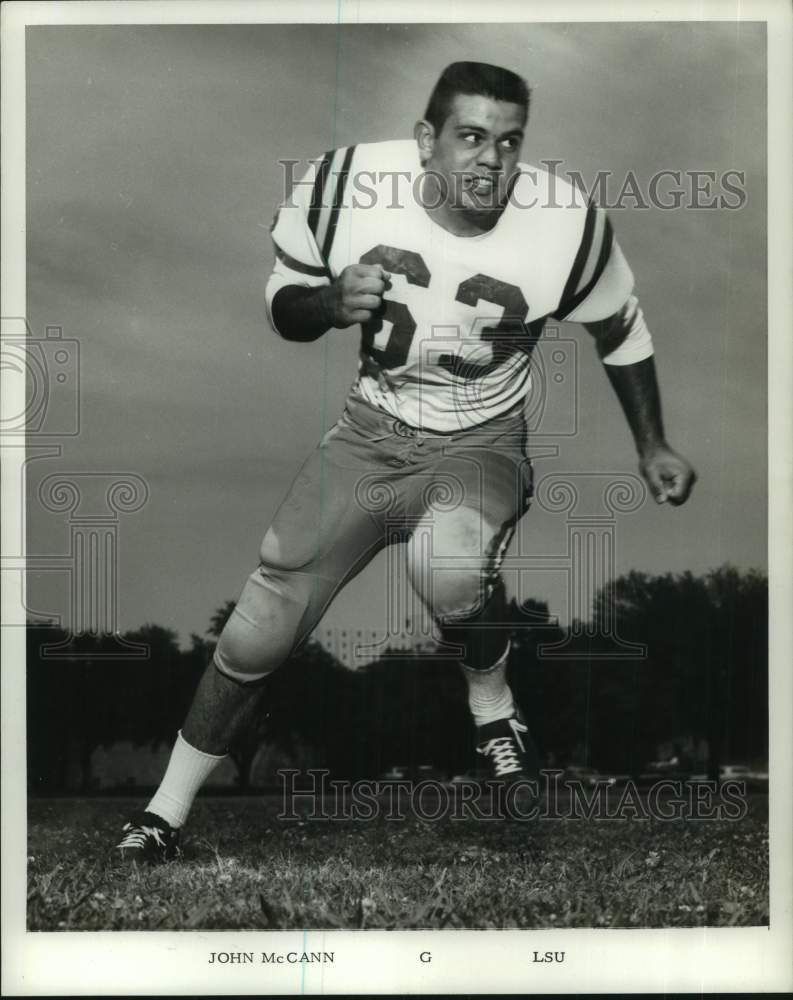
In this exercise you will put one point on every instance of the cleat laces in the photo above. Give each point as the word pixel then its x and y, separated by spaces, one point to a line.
pixel 504 755
pixel 149 839
pixel 505 751
pixel 135 836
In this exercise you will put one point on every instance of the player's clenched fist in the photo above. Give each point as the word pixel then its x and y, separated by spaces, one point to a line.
pixel 358 293
pixel 669 475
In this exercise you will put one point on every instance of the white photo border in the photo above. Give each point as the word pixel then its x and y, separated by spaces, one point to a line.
pixel 172 963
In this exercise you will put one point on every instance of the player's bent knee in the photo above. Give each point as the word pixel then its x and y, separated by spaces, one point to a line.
pixel 470 601
pixel 282 553
pixel 245 654
pixel 468 548
pixel 456 597
pixel 270 551
pixel 260 632
pixel 461 532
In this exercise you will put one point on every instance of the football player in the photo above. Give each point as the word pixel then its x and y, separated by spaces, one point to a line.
pixel 447 254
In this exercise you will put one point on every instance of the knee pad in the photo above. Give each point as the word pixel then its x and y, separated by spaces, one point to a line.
pixel 261 630
pixel 222 665
pixel 454 563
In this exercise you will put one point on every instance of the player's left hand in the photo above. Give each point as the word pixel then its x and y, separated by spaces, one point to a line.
pixel 669 476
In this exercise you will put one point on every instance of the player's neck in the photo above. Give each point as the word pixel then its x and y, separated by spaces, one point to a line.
pixel 459 222
pixel 455 220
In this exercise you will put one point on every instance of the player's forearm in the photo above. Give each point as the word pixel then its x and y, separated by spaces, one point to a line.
pixel 636 387
pixel 301 313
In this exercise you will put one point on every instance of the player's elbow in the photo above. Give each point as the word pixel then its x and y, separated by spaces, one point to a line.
pixel 279 318
pixel 274 316
pixel 296 312
pixel 623 339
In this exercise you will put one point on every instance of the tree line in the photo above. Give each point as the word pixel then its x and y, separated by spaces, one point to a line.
pixel 703 677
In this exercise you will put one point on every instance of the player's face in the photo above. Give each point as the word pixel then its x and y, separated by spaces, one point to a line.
pixel 476 153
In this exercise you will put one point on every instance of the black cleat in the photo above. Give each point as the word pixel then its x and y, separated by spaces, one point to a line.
pixel 508 749
pixel 148 839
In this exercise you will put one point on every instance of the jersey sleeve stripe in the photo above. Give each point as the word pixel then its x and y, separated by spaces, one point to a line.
pixel 579 263
pixel 316 194
pixel 603 257
pixel 572 302
pixel 325 207
pixel 297 265
pixel 338 200
pixel 594 250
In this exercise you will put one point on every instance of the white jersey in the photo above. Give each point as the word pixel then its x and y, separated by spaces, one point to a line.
pixel 452 346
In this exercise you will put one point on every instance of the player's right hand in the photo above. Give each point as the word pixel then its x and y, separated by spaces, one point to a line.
pixel 358 293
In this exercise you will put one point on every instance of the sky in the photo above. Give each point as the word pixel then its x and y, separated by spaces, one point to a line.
pixel 152 179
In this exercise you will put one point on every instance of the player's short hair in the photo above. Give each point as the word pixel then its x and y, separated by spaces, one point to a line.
pixel 474 78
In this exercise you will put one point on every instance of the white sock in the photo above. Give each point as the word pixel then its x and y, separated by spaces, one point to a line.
pixel 187 771
pixel 489 696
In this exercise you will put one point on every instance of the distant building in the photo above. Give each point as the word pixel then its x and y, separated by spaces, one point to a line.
pixel 354 647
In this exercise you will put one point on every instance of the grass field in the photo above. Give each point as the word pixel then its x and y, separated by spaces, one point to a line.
pixel 244 868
